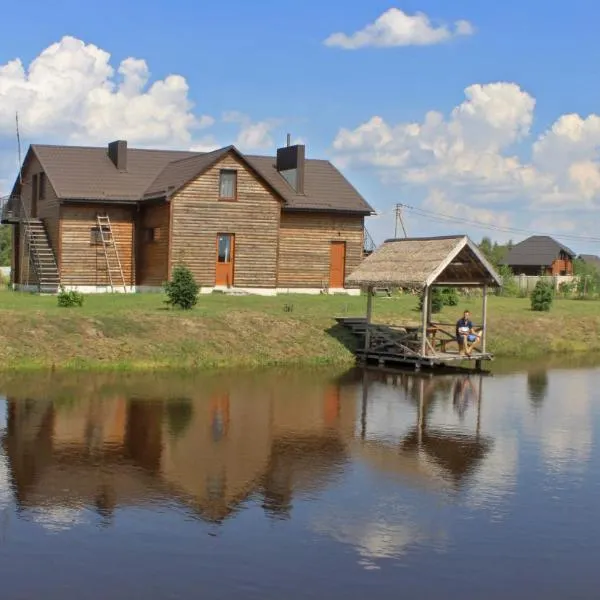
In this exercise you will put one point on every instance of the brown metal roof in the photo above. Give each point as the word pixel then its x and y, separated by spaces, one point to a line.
pixel 177 173
pixel 86 173
pixel 536 251
pixel 325 188
pixel 78 172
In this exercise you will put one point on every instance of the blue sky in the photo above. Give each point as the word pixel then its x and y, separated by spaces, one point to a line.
pixel 267 62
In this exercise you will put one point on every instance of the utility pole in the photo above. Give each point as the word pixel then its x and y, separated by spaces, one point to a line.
pixel 399 221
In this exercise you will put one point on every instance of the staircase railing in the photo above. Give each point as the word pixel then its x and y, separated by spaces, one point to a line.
pixel 13 208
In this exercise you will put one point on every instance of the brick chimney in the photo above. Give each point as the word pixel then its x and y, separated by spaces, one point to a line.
pixel 117 152
pixel 291 165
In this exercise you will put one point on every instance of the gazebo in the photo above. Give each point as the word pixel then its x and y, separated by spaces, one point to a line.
pixel 421 264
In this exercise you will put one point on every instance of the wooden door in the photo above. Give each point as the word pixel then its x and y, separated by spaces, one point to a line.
pixel 337 265
pixel 225 259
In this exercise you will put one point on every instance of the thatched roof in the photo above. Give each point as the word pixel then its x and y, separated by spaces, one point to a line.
pixel 420 262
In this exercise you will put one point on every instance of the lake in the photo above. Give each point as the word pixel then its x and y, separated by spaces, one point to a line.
pixel 297 484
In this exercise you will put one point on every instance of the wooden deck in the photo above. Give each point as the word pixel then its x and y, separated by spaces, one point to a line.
pixel 394 346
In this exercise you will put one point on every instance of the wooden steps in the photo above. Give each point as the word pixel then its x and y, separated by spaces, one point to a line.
pixel 42 256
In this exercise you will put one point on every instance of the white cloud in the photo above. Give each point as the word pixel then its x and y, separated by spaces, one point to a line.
pixel 205 144
pixel 472 155
pixel 397 28
pixel 71 91
pixel 437 202
pixel 253 135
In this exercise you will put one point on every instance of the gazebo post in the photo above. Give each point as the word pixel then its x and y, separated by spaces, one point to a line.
pixel 484 318
pixel 369 314
pixel 425 317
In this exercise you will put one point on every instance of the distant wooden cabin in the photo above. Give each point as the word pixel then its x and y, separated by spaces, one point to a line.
pixel 116 218
pixel 540 255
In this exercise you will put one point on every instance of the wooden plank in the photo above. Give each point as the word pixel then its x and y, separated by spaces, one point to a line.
pixel 368 319
pixel 84 263
pixel 198 216
pixel 424 318
pixel 305 246
pixel 153 254
pixel 484 319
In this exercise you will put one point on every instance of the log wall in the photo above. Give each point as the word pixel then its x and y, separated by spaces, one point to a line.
pixel 153 254
pixel 305 246
pixel 82 262
pixel 198 216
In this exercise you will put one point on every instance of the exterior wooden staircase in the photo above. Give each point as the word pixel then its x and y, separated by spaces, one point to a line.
pixel 41 256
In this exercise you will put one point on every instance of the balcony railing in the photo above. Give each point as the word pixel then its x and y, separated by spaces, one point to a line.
pixel 11 209
pixel 368 243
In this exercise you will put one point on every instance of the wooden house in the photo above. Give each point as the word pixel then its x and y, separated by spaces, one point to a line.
pixel 540 255
pixel 120 219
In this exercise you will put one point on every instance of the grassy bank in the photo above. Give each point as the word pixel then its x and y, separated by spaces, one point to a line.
pixel 137 332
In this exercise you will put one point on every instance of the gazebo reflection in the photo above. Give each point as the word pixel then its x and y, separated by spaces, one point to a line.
pixel 438 455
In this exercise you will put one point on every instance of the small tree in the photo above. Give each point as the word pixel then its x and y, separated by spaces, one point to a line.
pixel 69 299
pixel 510 287
pixel 437 300
pixel 182 290
pixel 588 279
pixel 542 296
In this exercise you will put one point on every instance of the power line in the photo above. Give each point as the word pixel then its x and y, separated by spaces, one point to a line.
pixel 445 218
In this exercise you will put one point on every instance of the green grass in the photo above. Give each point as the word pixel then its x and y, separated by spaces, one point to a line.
pixel 137 331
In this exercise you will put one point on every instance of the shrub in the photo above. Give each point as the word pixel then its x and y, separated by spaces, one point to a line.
pixel 437 300
pixel 566 288
pixel 68 299
pixel 510 287
pixel 182 290
pixel 449 296
pixel 542 296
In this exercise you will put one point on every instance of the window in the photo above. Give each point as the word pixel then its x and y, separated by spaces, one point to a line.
pixel 42 186
pixel 224 248
pixel 227 184
pixel 152 234
pixel 96 235
pixel 34 188
pixel 291 176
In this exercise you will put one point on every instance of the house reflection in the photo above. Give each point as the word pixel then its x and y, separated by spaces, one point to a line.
pixel 215 446
pixel 210 451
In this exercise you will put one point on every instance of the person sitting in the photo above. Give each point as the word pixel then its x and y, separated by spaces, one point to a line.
pixel 466 336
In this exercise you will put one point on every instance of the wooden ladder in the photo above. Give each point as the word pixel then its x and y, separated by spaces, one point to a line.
pixel 113 261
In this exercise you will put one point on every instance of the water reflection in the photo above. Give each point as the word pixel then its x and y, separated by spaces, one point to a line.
pixel 218 446
pixel 312 468
pixel 537 387
pixel 210 450
pixel 432 454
